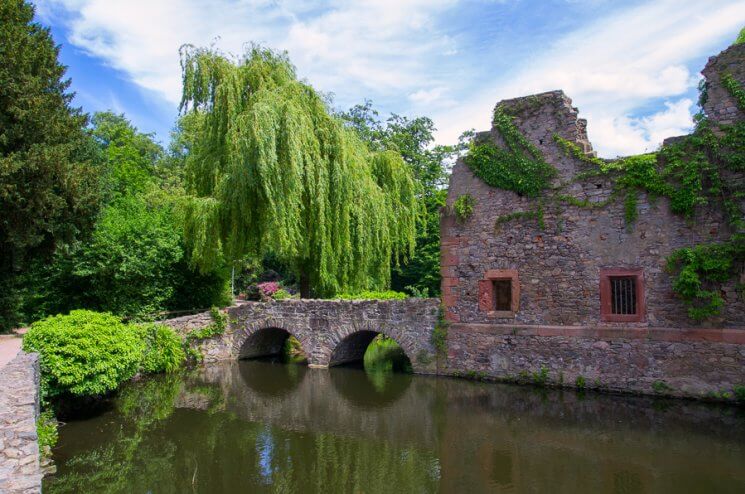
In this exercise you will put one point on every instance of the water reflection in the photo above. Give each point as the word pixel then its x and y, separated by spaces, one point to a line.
pixel 371 388
pixel 271 377
pixel 262 427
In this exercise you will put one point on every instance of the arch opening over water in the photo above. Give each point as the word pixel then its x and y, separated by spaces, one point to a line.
pixel 373 349
pixel 273 342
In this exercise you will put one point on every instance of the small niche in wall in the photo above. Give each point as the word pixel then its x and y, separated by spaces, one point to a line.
pixel 499 293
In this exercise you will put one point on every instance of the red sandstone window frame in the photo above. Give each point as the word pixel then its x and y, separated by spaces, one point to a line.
pixel 606 309
pixel 487 302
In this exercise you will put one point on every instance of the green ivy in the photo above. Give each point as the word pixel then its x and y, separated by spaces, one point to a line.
pixel 536 214
pixel 700 269
pixel 46 432
pixel 519 166
pixel 218 326
pixel 463 207
pixel 734 88
pixel 440 332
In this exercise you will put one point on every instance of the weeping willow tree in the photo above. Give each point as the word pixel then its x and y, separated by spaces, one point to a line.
pixel 271 170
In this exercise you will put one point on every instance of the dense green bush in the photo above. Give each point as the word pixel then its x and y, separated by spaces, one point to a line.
pixel 163 349
pixel 373 295
pixel 84 353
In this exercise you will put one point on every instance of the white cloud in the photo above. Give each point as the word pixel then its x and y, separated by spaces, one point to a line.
pixel 397 51
pixel 624 135
pixel 427 96
pixel 613 67
pixel 340 46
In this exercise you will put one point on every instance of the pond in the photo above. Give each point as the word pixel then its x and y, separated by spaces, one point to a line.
pixel 255 426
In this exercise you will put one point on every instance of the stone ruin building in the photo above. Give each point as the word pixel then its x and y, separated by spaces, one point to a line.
pixel 581 296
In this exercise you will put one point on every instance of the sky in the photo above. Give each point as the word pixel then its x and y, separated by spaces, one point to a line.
pixel 631 67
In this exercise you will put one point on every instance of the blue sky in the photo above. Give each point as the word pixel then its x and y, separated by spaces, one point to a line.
pixel 630 66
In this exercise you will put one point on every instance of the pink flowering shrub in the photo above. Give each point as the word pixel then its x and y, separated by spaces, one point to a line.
pixel 268 288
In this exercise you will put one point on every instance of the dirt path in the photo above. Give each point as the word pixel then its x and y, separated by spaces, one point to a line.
pixel 9 347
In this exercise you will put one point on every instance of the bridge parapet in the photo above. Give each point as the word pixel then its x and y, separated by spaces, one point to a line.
pixel 330 331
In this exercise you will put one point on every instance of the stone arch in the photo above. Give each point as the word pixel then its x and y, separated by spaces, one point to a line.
pixel 349 343
pixel 266 338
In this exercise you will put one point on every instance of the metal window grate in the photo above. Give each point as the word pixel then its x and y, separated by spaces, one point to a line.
pixel 623 295
pixel 502 294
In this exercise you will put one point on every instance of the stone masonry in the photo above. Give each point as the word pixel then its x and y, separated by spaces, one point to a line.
pixel 20 471
pixel 330 331
pixel 556 320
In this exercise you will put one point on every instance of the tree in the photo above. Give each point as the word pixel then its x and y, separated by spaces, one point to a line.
pixel 413 138
pixel 271 170
pixel 48 178
pixel 130 157
pixel 133 263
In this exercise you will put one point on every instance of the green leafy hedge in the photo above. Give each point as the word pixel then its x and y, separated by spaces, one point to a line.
pixel 373 295
pixel 88 353
pixel 84 353
pixel 163 352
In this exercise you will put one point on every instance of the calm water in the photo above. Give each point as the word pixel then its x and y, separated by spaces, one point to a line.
pixel 264 427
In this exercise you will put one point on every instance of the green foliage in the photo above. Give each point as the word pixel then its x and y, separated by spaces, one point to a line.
pixel 540 377
pixel 218 326
pixel 83 353
pixel 384 354
pixel 740 37
pixel 689 172
pixel 46 432
pixel 373 295
pixel 519 166
pixel 271 170
pixel 536 214
pixel 129 264
pixel 661 387
pixel 281 294
pixel 130 157
pixel 440 333
pixel 580 382
pixel 133 264
pixel 463 207
pixel 734 88
pixel 700 269
pixel 163 349
pixel 49 188
pixel 739 392
pixel 414 140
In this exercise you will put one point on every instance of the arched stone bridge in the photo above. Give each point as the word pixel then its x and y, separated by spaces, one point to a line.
pixel 331 332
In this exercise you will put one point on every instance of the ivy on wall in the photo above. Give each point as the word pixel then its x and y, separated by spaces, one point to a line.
pixel 519 166
pixel 463 207
pixel 694 171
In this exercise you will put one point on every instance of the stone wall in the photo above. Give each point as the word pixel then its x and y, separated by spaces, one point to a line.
pixel 20 471
pixel 330 331
pixel 556 321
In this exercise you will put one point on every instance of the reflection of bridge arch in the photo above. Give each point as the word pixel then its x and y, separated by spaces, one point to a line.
pixel 272 379
pixel 371 390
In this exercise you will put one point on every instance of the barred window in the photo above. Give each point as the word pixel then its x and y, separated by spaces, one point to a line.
pixel 623 295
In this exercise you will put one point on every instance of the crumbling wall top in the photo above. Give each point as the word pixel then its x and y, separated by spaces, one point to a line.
pixel 719 105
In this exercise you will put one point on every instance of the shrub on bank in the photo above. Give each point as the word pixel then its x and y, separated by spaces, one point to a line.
pixel 84 353
pixel 163 350
pixel 373 295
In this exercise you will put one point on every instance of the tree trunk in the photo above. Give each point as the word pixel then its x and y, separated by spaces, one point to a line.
pixel 304 285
